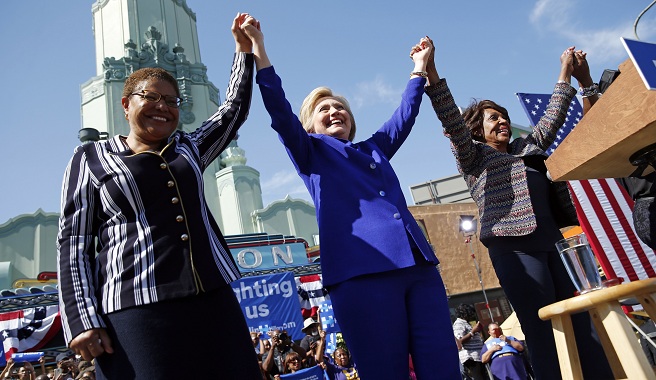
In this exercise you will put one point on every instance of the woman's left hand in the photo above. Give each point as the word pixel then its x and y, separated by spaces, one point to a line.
pixel 581 69
pixel 92 343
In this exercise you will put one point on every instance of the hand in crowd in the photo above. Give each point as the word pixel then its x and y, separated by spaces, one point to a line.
pixel 28 366
pixel 478 327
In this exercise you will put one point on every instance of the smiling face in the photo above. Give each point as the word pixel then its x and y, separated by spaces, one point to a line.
pixel 331 118
pixel 341 357
pixel 293 362
pixel 496 129
pixel 151 123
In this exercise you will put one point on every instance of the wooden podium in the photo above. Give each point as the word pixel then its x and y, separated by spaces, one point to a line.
pixel 622 122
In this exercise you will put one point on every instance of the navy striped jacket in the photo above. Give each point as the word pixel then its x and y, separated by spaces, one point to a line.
pixel 135 228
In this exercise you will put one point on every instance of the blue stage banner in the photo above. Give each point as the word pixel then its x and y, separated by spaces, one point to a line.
pixel 312 373
pixel 261 257
pixel 270 302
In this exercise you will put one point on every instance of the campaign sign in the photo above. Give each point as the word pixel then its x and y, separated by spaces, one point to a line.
pixel 643 55
pixel 275 256
pixel 312 373
pixel 328 321
pixel 27 356
pixel 270 302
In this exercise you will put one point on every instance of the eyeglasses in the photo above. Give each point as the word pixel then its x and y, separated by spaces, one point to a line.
pixel 154 96
pixel 295 360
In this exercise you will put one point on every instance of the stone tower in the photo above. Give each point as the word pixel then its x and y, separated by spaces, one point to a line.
pixel 130 35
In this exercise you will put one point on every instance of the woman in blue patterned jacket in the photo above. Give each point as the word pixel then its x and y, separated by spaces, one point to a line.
pixel 521 210
pixel 144 271
pixel 373 253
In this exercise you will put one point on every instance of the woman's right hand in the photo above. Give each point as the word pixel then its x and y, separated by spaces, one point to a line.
pixel 92 343
pixel 242 41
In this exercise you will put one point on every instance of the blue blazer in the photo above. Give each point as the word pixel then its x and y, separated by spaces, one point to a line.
pixel 364 223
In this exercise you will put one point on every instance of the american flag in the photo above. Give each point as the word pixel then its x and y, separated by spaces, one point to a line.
pixel 311 294
pixel 28 329
pixel 602 205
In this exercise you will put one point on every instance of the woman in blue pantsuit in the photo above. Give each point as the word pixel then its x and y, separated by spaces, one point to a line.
pixel 381 272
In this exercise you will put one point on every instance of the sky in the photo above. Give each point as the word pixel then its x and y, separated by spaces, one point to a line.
pixel 485 50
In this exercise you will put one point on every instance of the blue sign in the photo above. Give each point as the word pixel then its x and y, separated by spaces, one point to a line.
pixel 643 55
pixel 328 321
pixel 263 257
pixel 270 302
pixel 312 373
pixel 27 356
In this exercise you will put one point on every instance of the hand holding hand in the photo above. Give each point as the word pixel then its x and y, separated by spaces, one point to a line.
pixel 567 65
pixel 242 41
pixel 92 343
pixel 433 77
pixel 251 28
pixel 420 53
pixel 581 69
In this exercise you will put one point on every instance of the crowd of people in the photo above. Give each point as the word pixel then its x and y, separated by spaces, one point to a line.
pixel 279 355
pixel 138 247
pixel 68 367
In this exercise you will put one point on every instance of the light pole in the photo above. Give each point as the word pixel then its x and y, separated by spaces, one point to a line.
pixel 467 227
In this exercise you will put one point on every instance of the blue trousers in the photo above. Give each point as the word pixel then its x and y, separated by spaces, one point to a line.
pixel 199 337
pixel 536 279
pixel 386 316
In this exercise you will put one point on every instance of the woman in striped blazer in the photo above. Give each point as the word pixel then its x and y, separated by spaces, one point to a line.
pixel 144 270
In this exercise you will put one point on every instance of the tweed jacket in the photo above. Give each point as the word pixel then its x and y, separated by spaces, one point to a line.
pixel 497 180
pixel 364 223
pixel 135 229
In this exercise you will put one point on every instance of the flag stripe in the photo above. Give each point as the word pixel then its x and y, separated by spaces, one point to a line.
pixel 607 231
pixel 604 208
pixel 595 244
pixel 629 232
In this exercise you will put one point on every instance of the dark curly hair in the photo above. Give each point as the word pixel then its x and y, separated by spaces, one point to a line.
pixel 146 74
pixel 474 114
pixel 466 312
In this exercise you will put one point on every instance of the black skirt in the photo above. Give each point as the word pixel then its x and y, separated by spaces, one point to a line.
pixel 199 337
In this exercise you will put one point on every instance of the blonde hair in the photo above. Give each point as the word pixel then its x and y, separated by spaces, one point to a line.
pixel 311 101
